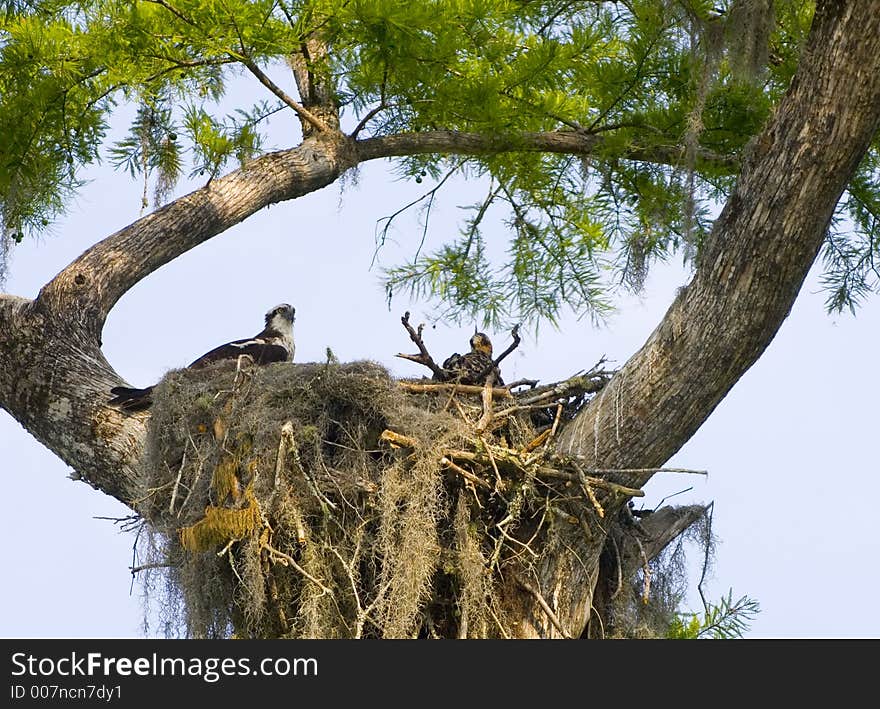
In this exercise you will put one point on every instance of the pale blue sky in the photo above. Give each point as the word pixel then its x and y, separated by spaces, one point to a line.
pixel 790 451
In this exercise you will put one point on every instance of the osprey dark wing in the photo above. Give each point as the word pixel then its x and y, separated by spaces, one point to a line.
pixel 273 344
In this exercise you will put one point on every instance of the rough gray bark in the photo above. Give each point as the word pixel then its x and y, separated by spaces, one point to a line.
pixel 54 379
pixel 759 252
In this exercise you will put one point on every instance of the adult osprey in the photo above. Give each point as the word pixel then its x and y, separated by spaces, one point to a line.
pixel 273 344
pixel 473 367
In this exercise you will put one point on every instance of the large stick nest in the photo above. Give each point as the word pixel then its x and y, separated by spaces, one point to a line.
pixel 332 500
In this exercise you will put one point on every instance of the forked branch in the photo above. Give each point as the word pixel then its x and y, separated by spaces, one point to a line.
pixel 423 357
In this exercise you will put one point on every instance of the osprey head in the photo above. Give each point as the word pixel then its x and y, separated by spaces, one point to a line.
pixel 280 318
pixel 480 343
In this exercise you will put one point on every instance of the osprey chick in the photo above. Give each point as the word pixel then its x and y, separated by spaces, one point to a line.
pixel 473 367
pixel 273 344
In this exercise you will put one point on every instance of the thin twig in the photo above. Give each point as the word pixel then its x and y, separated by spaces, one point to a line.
pixel 486 418
pixel 145 567
pixel 300 110
pixel 177 483
pixel 588 491
pixel 284 441
pixel 607 471
pixel 514 333
pixel 466 474
pixel 647 569
pixel 286 560
pixel 545 606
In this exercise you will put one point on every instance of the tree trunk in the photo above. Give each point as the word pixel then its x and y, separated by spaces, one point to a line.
pixel 757 256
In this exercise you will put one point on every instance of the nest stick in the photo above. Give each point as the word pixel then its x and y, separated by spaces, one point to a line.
pixel 466 474
pixel 177 484
pixel 646 591
pixel 288 560
pixel 607 471
pixel 548 472
pixel 499 483
pixel 490 367
pixel 285 440
pixel 398 440
pixel 486 418
pixel 545 607
pixel 416 388
pixel 424 357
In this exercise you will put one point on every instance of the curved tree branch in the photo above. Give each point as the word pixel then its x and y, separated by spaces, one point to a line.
pixel 90 286
pixel 562 142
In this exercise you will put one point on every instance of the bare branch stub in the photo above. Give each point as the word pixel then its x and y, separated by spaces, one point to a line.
pixel 424 357
pixel 514 333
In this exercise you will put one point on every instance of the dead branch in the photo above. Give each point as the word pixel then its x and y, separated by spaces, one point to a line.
pixel 486 418
pixel 492 365
pixel 523 382
pixel 588 491
pixel 545 606
pixel 573 386
pixel 416 388
pixel 466 474
pixel 613 471
pixel 397 440
pixel 424 357
pixel 548 472
pixel 287 560
pixel 145 567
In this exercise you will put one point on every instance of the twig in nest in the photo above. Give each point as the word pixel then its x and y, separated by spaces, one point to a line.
pixel 536 441
pixel 361 614
pixel 466 474
pixel 647 589
pixel 588 383
pixel 499 483
pixel 145 567
pixel 612 471
pixel 516 541
pixel 416 388
pixel 286 560
pixel 127 523
pixel 491 366
pixel 545 606
pixel 486 418
pixel 177 484
pixel 285 442
pixel 424 358
pixel 523 382
pixel 588 491
pixel 397 440
pixel 463 413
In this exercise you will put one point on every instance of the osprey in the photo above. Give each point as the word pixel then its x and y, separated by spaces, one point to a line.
pixel 273 344
pixel 473 367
